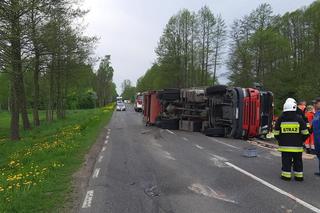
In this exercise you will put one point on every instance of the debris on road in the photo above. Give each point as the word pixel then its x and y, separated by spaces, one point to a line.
pixel 250 152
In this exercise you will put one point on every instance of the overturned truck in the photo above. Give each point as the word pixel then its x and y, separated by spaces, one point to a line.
pixel 216 111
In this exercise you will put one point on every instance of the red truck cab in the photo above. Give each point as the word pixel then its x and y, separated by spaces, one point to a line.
pixel 239 112
pixel 251 113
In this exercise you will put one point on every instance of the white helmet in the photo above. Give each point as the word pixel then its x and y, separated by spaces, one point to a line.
pixel 291 100
pixel 290 107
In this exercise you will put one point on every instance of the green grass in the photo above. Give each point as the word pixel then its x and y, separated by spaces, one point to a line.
pixel 36 172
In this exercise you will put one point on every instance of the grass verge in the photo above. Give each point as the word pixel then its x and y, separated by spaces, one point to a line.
pixel 36 172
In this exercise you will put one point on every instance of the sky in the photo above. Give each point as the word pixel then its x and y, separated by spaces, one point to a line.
pixel 129 30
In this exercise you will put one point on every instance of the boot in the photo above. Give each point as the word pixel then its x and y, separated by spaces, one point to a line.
pixel 298 179
pixel 285 178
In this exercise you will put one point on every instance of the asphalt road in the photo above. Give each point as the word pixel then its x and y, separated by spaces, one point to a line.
pixel 146 169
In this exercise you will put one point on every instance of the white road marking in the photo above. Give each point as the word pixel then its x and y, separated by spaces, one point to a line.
pixel 301 202
pixel 209 192
pixel 218 161
pixel 88 199
pixel 170 132
pixel 100 158
pixel 226 144
pixel 199 147
pixel 158 145
pixel 106 142
pixel 219 157
pixel 107 137
pixel 103 149
pixel 96 173
pixel 185 139
pixel 168 155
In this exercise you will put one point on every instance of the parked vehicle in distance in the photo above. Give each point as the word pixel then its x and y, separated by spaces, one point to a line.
pixel 138 104
pixel 119 99
pixel 121 106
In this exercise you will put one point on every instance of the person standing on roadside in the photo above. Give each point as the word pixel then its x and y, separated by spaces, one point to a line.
pixel 302 106
pixel 316 132
pixel 301 111
pixel 309 143
pixel 291 131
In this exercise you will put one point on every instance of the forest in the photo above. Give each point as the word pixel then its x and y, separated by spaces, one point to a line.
pixel 189 51
pixel 46 63
pixel 279 52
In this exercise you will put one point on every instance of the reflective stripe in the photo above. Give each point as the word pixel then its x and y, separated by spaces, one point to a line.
pixel 298 174
pixel 305 132
pixel 286 174
pixel 290 149
pixel 276 132
pixel 290 122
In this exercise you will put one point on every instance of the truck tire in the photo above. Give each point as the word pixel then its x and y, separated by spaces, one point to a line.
pixel 216 89
pixel 218 132
pixel 172 124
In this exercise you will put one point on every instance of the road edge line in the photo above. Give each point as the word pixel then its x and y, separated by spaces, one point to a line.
pixel 298 200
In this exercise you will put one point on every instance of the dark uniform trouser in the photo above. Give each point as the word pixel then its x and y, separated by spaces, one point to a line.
pixel 289 160
pixel 318 155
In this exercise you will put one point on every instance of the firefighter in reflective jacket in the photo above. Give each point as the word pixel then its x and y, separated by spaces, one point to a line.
pixel 291 131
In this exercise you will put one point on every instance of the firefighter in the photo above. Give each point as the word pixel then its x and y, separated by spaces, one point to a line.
pixel 291 131
pixel 316 132
pixel 301 112
pixel 309 143
pixel 300 109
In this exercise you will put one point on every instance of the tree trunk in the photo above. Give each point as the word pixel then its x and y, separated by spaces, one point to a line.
pixel 203 56
pixel 14 109
pixel 215 64
pixel 207 56
pixel 36 72
pixel 59 89
pixel 192 77
pixel 18 83
pixel 23 103
pixel 51 92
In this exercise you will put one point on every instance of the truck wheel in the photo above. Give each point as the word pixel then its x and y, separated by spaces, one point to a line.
pixel 216 89
pixel 169 94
